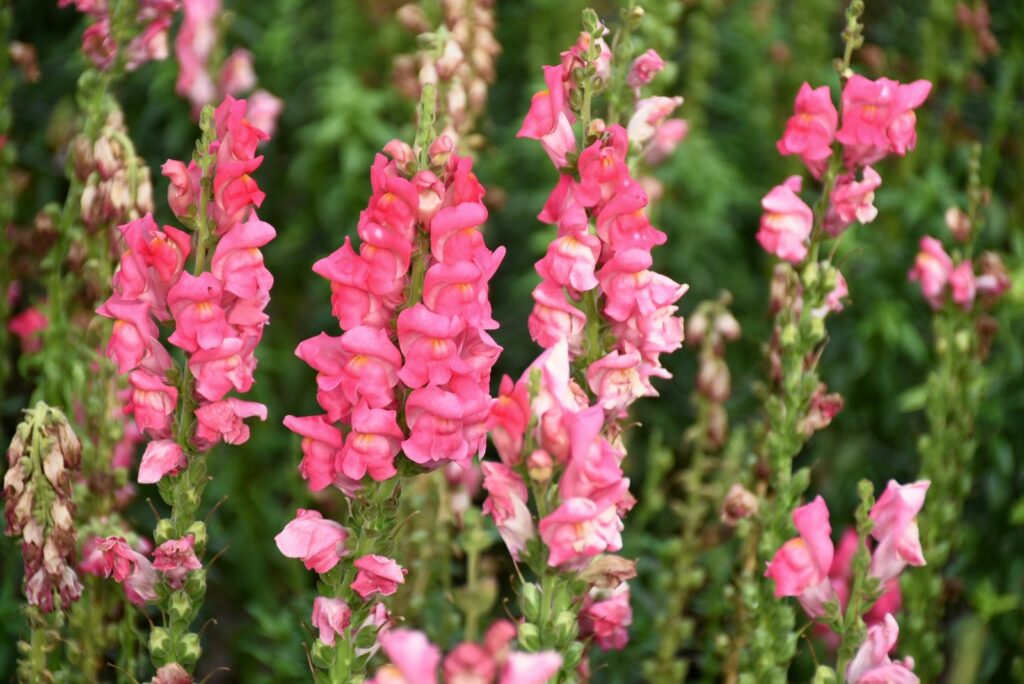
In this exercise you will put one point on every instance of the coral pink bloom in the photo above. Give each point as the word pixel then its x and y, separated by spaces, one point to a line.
pixel 388 255
pixel 506 504
pixel 554 318
pixel 800 567
pixel 321 446
pixel 811 129
pixel 618 379
pixel 602 168
pixel 963 285
pixel 377 575
pixel 895 517
pixel 152 402
pixel 570 261
pixel 394 203
pixel 162 457
pixel 872 664
pixel 235 192
pixel 455 231
pixel 607 616
pixel 623 223
pixel 194 302
pixel 351 301
pixel 460 288
pixel 786 222
pixel 578 530
pixel 878 118
pixel 372 444
pixel 509 416
pixel 370 370
pixel 229 365
pixel 644 69
pixel 852 200
pixel 132 332
pixel 632 289
pixel 184 181
pixel 224 419
pixel 28 326
pixel 319 543
pixel 932 268
pixel 327 356
pixel 429 343
pixel 562 208
pixel 238 263
pixel 550 120
pixel 469 663
pixel 435 419
pixel 331 617
pixel 414 660
pixel 175 558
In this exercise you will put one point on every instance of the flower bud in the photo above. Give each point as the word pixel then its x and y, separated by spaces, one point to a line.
pixel 172 673
pixel 159 643
pixel 539 466
pixel 190 649
pixel 529 637
pixel 566 627
pixel 959 224
pixel 199 534
pixel 739 503
pixel 529 601
pixel 180 606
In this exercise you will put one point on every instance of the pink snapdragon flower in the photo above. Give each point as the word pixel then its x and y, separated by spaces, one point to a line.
pixel 508 418
pixel 224 420
pixel 530 668
pixel 963 286
pixel 580 529
pixel 932 269
pixel 129 568
pixel 321 448
pixel 318 542
pixel 786 222
pixel 175 558
pixel 371 446
pixel 841 577
pixel 377 575
pixel 810 131
pixel 607 616
pixel 800 567
pixel 414 660
pixel 550 119
pixel 162 457
pixel 469 663
pixel 506 504
pixel 878 118
pixel 152 402
pixel 852 200
pixel 644 68
pixel 152 21
pixel 895 518
pixel 872 664
pixel 331 617
pixel 28 327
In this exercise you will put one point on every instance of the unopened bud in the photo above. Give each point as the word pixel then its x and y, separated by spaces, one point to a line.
pixel 172 674
pixel 959 224
pixel 739 503
pixel 539 466
pixel 608 571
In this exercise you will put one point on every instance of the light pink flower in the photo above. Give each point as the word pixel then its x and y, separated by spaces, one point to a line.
pixel 620 378
pixel 238 263
pixel 607 616
pixel 933 269
pixel 331 616
pixel 372 444
pixel 162 457
pixel 872 664
pixel 412 654
pixel 469 663
pixel 236 73
pixel 429 343
pixel 633 290
pixel 264 110
pixel 570 261
pixel 651 114
pixel 507 421
pixel 578 530
pixel 895 517
pixel 152 402
pixel 531 668
pixel 132 332
pixel 377 575
pixel 224 420
pixel 554 318
pixel 602 168
pixel 644 68
pixel 786 222
pixel 852 200
pixel 319 543
pixel 800 567
pixel 963 285
pixel 321 447
pixel 841 577
pixel 175 558
pixel 506 504
pixel 811 129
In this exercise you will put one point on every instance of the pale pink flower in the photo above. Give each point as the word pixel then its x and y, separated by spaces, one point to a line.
pixel 531 668
pixel 852 200
pixel 412 654
pixel 933 269
pixel 331 617
pixel 236 73
pixel 554 318
pixel 644 68
pixel 469 663
pixel 895 518
pixel 175 558
pixel 162 457
pixel 319 543
pixel 264 110
pixel 800 567
pixel 872 664
pixel 963 285
pixel 580 529
pixel 184 182
pixel 620 378
pixel 650 115
pixel 607 616
pixel 377 575
pixel 786 222
pixel 506 504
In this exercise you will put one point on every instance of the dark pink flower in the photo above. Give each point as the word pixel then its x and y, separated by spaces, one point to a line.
pixel 372 444
pixel 175 558
pixel 162 457
pixel 352 302
pixel 800 567
pixel 878 118
pixel 508 418
pixel 152 402
pixel 852 200
pixel 550 119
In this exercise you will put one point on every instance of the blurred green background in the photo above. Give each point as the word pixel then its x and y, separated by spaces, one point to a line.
pixel 739 65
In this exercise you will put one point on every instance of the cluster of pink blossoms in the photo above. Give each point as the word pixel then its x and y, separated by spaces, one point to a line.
pixel 114 557
pixel 99 45
pixel 414 660
pixel 194 47
pixel 878 120
pixel 803 567
pixel 218 315
pixel 433 359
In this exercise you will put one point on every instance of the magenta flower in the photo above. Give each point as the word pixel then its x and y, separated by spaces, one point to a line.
pixel 895 517
pixel 319 543
pixel 872 664
pixel 607 615
pixel 377 575
pixel 786 222
pixel 878 118
pixel 162 457
pixel 175 558
pixel 331 617
pixel 184 183
pixel 933 269
pixel 800 567
pixel 811 129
